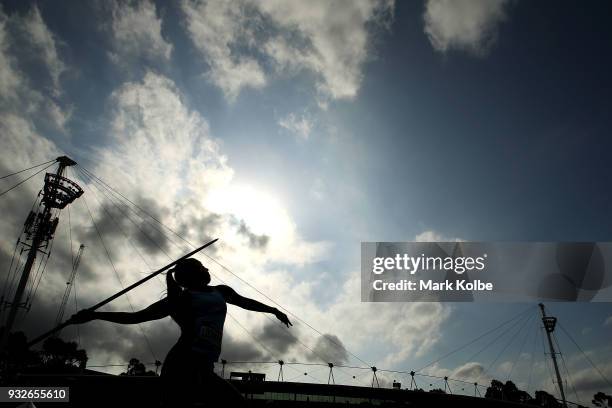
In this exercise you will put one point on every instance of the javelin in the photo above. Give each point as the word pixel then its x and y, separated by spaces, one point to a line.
pixel 116 295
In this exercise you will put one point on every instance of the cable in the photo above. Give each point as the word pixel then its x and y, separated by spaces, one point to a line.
pixel 533 347
pixel 137 206
pixel 11 292
pixel 546 362
pixel 518 356
pixel 118 207
pixel 505 347
pixel 12 273
pixel 117 275
pixel 270 352
pixel 114 220
pixel 476 339
pixel 70 231
pixel 74 281
pixel 502 334
pixel 569 376
pixel 44 268
pixel 24 180
pixel 76 310
pixel 29 168
pixel 585 355
pixel 306 374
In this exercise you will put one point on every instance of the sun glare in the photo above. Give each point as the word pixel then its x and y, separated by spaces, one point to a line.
pixel 261 211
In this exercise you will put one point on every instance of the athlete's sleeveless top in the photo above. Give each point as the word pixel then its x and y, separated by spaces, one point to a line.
pixel 208 310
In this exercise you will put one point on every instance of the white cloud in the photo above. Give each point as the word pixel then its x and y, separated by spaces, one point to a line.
pixel 162 151
pixel 136 32
pixel 21 144
pixel 215 27
pixel 45 43
pixel 16 92
pixel 10 80
pixel 433 236
pixel 335 40
pixel 398 330
pixel 329 39
pixel 318 189
pixel 469 25
pixel 299 125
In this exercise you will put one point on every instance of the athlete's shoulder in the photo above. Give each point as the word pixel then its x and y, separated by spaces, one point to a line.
pixel 225 290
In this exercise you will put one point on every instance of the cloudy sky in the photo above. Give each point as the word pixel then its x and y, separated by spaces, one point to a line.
pixel 295 130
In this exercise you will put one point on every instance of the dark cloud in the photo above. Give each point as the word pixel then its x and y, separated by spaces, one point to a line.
pixel 255 241
pixel 150 234
pixel 198 229
pixel 39 319
pixel 117 222
pixel 276 338
pixel 330 349
pixel 128 341
pixel 238 350
pixel 5 264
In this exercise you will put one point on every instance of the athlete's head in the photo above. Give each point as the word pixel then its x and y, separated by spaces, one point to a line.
pixel 190 273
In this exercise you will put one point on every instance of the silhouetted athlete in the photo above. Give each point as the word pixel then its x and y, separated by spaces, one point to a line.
pixel 199 309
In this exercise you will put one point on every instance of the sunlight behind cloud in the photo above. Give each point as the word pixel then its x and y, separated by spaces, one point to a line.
pixel 260 210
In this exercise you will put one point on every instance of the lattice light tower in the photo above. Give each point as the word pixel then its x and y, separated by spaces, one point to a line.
pixel 39 230
pixel 549 325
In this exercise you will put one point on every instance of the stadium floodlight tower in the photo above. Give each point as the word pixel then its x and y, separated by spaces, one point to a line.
pixel 549 325
pixel 39 230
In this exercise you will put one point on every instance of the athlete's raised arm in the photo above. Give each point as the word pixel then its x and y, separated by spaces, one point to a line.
pixel 157 310
pixel 234 298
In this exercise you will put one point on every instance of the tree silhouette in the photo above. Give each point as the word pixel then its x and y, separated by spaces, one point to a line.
pixel 56 355
pixel 18 354
pixel 544 399
pixel 602 400
pixel 495 390
pixel 510 392
pixel 135 367
pixel 61 355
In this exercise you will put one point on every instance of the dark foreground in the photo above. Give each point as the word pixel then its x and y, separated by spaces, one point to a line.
pixel 108 391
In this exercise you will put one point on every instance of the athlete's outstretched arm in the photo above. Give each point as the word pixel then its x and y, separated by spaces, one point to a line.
pixel 234 298
pixel 157 310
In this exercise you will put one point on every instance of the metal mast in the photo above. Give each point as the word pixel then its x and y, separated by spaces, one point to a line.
pixel 549 325
pixel 69 285
pixel 40 226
